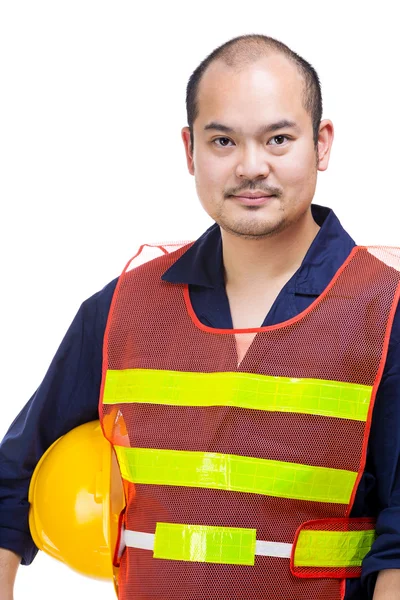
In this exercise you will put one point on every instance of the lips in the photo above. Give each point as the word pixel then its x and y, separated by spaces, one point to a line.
pixel 251 197
pixel 256 200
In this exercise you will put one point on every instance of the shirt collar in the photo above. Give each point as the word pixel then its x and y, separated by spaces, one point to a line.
pixel 201 264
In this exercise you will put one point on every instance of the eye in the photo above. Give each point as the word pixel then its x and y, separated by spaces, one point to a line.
pixel 222 139
pixel 277 137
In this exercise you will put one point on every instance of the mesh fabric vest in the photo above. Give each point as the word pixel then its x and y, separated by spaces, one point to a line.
pixel 240 478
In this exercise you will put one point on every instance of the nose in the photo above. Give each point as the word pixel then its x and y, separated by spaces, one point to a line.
pixel 252 163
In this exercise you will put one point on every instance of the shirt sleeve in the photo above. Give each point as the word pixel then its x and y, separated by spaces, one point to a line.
pixel 383 463
pixel 67 397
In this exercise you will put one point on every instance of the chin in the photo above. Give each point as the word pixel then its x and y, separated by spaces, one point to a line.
pixel 252 230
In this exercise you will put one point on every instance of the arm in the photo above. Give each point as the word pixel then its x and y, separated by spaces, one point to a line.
pixel 67 397
pixel 382 495
pixel 387 585
pixel 8 569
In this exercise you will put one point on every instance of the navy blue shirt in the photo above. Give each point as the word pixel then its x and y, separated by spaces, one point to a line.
pixel 69 393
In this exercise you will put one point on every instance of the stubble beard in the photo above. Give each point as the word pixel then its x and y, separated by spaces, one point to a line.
pixel 251 228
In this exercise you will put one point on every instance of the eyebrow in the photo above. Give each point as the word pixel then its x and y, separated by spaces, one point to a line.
pixel 282 124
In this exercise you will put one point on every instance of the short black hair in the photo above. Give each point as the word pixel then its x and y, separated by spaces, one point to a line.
pixel 246 49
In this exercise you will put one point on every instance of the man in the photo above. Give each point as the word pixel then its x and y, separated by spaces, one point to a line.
pixel 260 299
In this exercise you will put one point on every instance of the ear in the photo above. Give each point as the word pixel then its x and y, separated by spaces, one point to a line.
pixel 185 133
pixel 325 140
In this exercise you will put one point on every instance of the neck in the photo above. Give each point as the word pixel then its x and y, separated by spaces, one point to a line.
pixel 256 262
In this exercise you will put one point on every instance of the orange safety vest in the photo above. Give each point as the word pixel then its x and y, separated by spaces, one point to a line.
pixel 240 476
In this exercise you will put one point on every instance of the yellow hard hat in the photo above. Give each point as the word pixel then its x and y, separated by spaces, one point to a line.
pixel 76 496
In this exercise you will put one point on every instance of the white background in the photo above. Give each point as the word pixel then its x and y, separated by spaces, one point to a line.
pixel 92 100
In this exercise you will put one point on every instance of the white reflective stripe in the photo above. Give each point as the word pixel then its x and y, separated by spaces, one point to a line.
pixel 278 549
pixel 145 541
pixel 138 539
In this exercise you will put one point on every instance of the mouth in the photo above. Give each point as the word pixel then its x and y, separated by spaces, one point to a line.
pixel 256 200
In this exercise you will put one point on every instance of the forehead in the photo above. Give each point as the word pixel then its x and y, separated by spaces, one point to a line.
pixel 267 88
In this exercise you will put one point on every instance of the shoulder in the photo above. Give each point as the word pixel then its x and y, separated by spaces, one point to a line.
pixel 101 300
pixel 394 342
pixel 90 321
pixel 391 371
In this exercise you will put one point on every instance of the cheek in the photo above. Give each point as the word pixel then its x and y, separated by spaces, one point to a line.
pixel 297 170
pixel 211 172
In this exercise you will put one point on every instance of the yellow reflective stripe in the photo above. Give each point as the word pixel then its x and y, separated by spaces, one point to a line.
pixel 201 543
pixel 332 548
pixel 235 473
pixel 233 545
pixel 243 390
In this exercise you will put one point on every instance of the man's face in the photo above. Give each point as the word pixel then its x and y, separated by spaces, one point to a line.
pixel 245 158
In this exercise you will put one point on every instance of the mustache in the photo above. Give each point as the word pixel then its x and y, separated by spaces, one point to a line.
pixel 252 187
